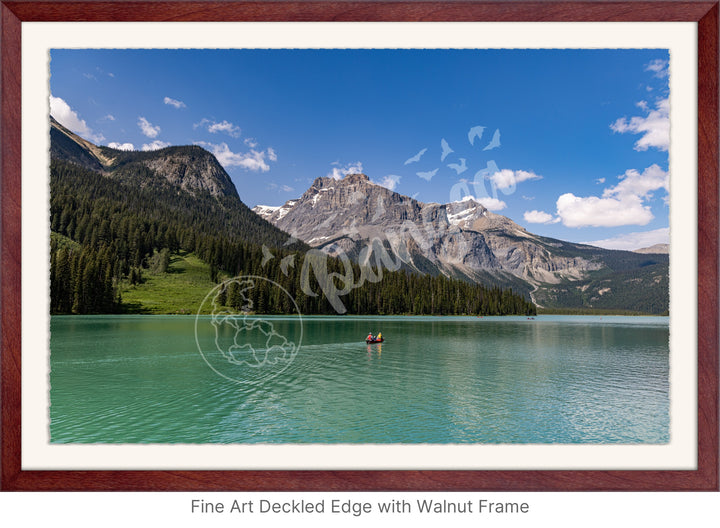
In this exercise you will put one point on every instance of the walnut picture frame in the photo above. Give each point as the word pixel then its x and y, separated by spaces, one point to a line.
pixel 15 478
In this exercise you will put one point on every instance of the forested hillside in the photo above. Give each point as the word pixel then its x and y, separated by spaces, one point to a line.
pixel 111 232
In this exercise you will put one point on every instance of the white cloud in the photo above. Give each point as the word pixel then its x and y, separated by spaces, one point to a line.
pixel 508 179
pixel 108 117
pixel 252 161
pixel 174 102
pixel 223 126
pixel 155 145
pixel 251 142
pixel 339 172
pixel 121 146
pixel 632 241
pixel 659 67
pixel 390 181
pixel 67 117
pixel 655 127
pixel 539 217
pixel 577 211
pixel 272 156
pixel 620 205
pixel 633 183
pixel 148 129
pixel 600 180
pixel 491 204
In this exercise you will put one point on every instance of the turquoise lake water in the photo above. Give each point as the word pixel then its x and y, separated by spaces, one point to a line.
pixel 551 379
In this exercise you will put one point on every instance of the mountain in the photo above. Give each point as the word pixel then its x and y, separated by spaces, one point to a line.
pixel 194 186
pixel 154 232
pixel 655 249
pixel 456 239
pixel 67 146
pixel 371 224
pixel 191 168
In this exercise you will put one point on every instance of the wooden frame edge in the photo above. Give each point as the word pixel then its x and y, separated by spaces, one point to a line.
pixel 362 10
pixel 708 239
pixel 10 238
pixel 705 478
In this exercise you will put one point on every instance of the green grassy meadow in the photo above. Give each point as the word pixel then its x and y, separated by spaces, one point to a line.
pixel 180 290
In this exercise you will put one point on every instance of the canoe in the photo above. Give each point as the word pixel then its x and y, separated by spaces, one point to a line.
pixel 371 341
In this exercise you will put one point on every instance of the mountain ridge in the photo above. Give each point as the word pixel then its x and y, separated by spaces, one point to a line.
pixel 189 167
pixel 368 223
pixel 654 249
pixel 373 226
pixel 113 239
pixel 461 236
pixel 188 175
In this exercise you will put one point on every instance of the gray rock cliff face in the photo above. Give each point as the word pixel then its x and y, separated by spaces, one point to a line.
pixel 192 169
pixel 359 218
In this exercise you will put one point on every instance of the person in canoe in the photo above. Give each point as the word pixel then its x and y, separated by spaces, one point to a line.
pixel 371 339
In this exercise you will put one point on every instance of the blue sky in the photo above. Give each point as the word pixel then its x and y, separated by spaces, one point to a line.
pixel 571 144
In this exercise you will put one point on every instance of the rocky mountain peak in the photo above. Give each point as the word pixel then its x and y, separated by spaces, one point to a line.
pixel 356 178
pixel 348 180
pixel 461 238
pixel 190 168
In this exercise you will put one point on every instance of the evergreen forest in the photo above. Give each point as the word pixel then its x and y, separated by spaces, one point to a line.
pixel 109 233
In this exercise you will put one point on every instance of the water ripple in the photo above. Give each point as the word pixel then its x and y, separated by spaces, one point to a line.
pixel 435 380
